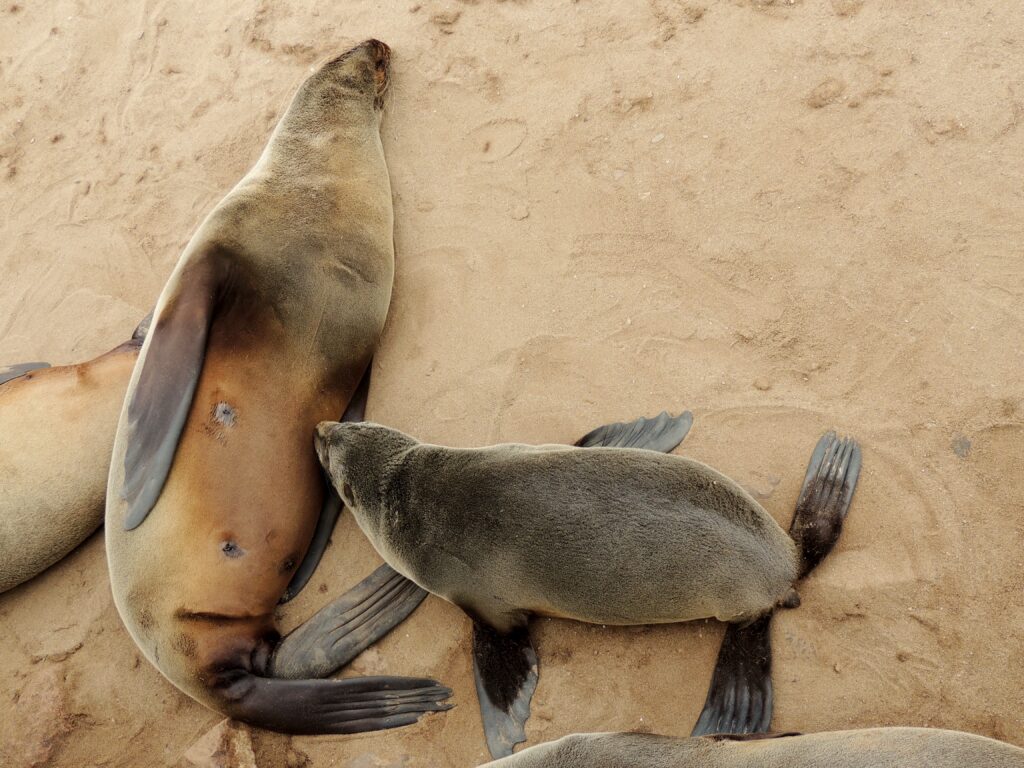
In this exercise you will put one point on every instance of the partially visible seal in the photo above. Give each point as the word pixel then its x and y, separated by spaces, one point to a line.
pixel 866 748
pixel 606 535
pixel 266 326
pixel 57 427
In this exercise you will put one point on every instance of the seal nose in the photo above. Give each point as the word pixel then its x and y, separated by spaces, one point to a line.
pixel 379 51
pixel 320 442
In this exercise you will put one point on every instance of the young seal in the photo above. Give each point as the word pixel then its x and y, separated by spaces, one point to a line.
pixel 265 327
pixel 866 748
pixel 606 535
pixel 52 500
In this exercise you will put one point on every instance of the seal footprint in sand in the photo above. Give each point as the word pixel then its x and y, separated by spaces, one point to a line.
pixel 598 533
pixel 215 502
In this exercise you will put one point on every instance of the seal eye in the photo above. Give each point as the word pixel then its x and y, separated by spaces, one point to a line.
pixel 346 491
pixel 231 549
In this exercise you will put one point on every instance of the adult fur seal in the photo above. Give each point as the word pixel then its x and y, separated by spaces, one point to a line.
pixel 607 535
pixel 58 430
pixel 866 748
pixel 265 327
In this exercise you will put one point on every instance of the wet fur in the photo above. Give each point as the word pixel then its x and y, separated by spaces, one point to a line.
pixel 868 748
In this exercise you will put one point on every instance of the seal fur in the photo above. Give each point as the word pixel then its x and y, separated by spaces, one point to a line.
pixel 265 327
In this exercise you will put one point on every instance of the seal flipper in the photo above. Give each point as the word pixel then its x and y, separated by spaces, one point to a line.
pixel 11 372
pixel 662 433
pixel 740 696
pixel 505 668
pixel 160 402
pixel 353 705
pixel 347 626
pixel 752 736
pixel 824 499
pixel 331 510
pixel 142 329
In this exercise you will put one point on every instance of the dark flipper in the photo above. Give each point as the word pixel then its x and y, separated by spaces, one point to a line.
pixel 752 736
pixel 331 510
pixel 825 498
pixel 346 627
pixel 15 371
pixel 662 433
pixel 162 397
pixel 505 667
pixel 330 706
pixel 142 329
pixel 740 697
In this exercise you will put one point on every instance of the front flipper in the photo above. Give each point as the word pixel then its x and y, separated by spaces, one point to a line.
pixel 160 402
pixel 331 510
pixel 740 696
pixel 752 736
pixel 346 627
pixel 825 498
pixel 15 371
pixel 353 705
pixel 505 667
pixel 662 433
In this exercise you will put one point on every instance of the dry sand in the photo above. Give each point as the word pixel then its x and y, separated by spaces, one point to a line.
pixel 785 216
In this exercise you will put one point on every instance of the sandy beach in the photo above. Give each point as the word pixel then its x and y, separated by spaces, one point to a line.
pixel 783 215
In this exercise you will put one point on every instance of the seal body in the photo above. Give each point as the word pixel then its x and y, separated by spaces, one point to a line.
pixel 602 535
pixel 867 748
pixel 609 531
pixel 265 327
pixel 58 430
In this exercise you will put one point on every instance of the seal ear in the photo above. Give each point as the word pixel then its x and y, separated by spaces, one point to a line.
pixel 162 397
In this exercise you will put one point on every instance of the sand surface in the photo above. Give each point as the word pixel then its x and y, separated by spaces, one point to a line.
pixel 785 216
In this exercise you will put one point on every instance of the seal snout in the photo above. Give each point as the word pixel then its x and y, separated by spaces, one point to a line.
pixel 321 441
pixel 380 55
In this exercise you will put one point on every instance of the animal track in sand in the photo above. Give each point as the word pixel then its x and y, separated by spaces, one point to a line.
pixel 496 139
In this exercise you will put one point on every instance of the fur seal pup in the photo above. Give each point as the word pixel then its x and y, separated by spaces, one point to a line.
pixel 266 326
pixel 606 535
pixel 50 502
pixel 866 748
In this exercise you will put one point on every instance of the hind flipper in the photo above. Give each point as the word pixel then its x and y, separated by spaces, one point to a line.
pixel 352 705
pixel 331 509
pixel 346 627
pixel 662 433
pixel 506 673
pixel 825 497
pixel 740 695
pixel 15 371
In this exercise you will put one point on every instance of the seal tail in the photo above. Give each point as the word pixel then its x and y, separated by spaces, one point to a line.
pixel 312 707
pixel 740 696
pixel 825 498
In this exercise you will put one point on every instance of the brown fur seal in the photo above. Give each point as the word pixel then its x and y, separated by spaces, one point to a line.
pixel 58 429
pixel 607 535
pixel 265 327
pixel 866 748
